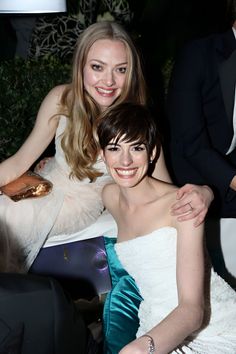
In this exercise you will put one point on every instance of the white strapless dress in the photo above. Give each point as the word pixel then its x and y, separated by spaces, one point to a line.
pixel 72 206
pixel 151 261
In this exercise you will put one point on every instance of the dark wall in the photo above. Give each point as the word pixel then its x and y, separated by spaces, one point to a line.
pixel 163 26
pixel 167 24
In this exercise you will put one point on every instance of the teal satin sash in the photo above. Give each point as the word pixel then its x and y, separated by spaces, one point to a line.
pixel 120 316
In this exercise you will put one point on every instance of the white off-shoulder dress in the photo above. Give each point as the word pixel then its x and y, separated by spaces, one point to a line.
pixel 71 207
pixel 151 261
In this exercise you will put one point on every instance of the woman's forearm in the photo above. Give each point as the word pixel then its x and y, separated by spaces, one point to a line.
pixel 170 332
pixel 10 170
pixel 178 325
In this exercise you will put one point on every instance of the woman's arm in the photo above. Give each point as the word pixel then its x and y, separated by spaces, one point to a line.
pixel 39 138
pixel 193 201
pixel 188 315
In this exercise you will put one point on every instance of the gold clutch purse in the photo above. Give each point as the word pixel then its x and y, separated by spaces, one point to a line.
pixel 29 185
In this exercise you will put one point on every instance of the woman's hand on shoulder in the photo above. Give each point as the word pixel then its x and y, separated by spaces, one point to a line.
pixel 193 201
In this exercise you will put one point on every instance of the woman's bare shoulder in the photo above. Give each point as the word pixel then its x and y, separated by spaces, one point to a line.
pixel 166 197
pixel 110 188
pixel 166 189
pixel 109 194
pixel 57 91
pixel 181 226
pixel 51 103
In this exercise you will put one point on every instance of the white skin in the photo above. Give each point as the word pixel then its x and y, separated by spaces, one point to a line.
pixel 104 71
pixel 104 77
pixel 134 198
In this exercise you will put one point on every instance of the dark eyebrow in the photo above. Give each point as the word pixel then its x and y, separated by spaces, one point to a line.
pixel 138 143
pixel 132 144
pixel 113 144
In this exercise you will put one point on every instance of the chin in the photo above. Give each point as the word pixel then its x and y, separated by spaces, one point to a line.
pixel 105 101
pixel 126 184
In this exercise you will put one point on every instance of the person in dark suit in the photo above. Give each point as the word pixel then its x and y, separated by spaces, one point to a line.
pixel 36 316
pixel 202 119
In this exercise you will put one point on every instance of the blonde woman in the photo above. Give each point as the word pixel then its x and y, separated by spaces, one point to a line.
pixel 106 71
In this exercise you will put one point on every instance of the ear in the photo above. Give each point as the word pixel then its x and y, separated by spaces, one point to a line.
pixel 153 154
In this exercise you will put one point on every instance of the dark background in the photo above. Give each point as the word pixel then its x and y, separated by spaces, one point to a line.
pixel 163 25
pixel 160 28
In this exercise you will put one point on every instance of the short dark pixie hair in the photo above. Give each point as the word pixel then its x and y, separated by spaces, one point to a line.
pixel 132 121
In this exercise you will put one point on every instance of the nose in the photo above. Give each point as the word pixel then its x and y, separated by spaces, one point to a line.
pixel 108 78
pixel 126 158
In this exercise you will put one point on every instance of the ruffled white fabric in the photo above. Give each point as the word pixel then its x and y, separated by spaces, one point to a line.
pixel 151 261
pixel 72 206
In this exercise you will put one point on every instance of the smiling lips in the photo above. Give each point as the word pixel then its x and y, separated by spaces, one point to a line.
pixel 126 173
pixel 105 92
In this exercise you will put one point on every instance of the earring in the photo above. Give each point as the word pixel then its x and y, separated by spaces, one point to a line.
pixel 151 161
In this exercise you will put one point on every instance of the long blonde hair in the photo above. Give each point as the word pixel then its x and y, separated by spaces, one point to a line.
pixel 80 108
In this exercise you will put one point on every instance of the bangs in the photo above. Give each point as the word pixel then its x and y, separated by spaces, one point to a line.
pixel 126 133
pixel 128 137
pixel 129 123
